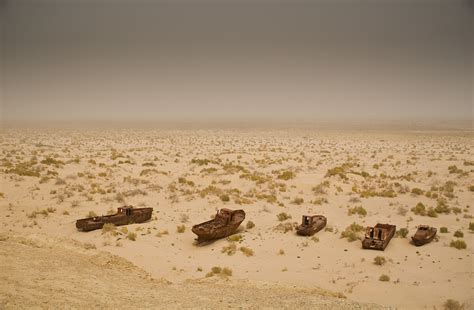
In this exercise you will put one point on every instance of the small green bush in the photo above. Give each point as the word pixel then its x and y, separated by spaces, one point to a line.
pixel 246 251
pixel 132 236
pixel 471 226
pixel 419 209
pixel 225 198
pixel 250 225
pixel 357 210
pixel 443 230
pixel 451 304
pixel 384 278
pixel 283 216
pixel 180 229
pixel 458 244
pixel 458 234
pixel 402 232
pixel 379 260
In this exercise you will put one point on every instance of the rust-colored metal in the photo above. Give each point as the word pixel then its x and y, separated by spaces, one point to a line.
pixel 124 216
pixel 378 237
pixel 224 224
pixel 311 224
pixel 424 234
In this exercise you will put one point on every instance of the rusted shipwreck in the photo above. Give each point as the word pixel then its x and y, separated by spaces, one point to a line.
pixel 124 216
pixel 424 234
pixel 378 237
pixel 311 224
pixel 224 224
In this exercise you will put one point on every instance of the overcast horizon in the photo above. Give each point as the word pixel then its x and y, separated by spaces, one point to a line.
pixel 252 60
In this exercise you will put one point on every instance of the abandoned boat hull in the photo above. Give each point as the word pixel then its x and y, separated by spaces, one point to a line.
pixel 423 237
pixel 319 222
pixel 219 227
pixel 138 215
pixel 381 241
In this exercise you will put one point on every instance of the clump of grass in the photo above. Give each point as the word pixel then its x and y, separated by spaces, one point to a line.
pixel 283 216
pixel 162 233
pixel 108 228
pixel 132 236
pixel 297 201
pixel 226 272
pixel 281 252
pixel 225 198
pixel 246 251
pixel 180 229
pixel 284 227
pixel 443 230
pixel 379 260
pixel 91 214
pixel 357 210
pixel 229 249
pixel 458 244
pixel 352 232
pixel 417 191
pixel 286 175
pixel 458 234
pixel 402 232
pixel 452 304
pixel 419 209
pixel 184 218
pixel 250 225
pixel 471 226
pixel 235 238
pixel 384 278
pixel 431 212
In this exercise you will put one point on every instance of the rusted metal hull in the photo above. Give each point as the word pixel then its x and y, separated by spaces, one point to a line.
pixel 379 243
pixel 217 228
pixel 319 222
pixel 423 237
pixel 138 215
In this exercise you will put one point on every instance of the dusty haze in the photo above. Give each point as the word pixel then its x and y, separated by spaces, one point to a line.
pixel 252 60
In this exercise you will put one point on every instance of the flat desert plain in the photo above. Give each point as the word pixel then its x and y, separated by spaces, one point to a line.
pixel 50 178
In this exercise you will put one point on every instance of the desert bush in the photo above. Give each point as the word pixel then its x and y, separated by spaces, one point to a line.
pixel 419 209
pixel 452 304
pixel 284 227
pixel 227 271
pixel 352 232
pixel 357 210
pixel 235 238
pixel 402 211
pixel 402 232
pixel 108 227
pixel 246 251
pixel 132 236
pixel 298 200
pixel 379 260
pixel 417 191
pixel 91 214
pixel 431 212
pixel 442 207
pixel 283 216
pixel 458 234
pixel 458 244
pixel 471 226
pixel 286 175
pixel 229 249
pixel 384 278
pixel 250 225
pixel 225 197
pixel 184 218
pixel 180 229
pixel 443 230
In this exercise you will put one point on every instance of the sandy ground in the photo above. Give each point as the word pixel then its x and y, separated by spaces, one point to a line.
pixel 186 175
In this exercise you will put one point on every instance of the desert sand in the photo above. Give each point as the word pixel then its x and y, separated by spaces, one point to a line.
pixel 51 177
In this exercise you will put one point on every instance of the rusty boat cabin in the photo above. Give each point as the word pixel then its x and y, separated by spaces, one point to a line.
pixel 424 234
pixel 378 237
pixel 311 224
pixel 225 223
pixel 124 216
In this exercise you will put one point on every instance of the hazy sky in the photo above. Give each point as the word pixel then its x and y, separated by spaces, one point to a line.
pixel 186 60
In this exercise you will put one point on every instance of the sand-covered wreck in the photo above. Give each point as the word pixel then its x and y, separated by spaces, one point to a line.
pixel 224 224
pixel 378 237
pixel 124 216
pixel 424 234
pixel 311 224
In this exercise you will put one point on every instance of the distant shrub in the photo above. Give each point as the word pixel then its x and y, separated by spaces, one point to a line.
pixel 431 212
pixel 180 229
pixel 229 249
pixel 286 175
pixel 357 210
pixel 281 252
pixel 227 271
pixel 283 216
pixel 419 209
pixel 443 230
pixel 108 227
pixel 402 232
pixel 352 232
pixel 91 214
pixel 235 238
pixel 225 197
pixel 451 304
pixel 402 211
pixel 250 225
pixel 458 234
pixel 417 191
pixel 132 236
pixel 298 200
pixel 458 244
pixel 379 260
pixel 246 251
pixel 384 278
pixel 471 226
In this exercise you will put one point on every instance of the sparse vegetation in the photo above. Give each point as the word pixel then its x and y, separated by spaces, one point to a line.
pixel 452 304
pixel 458 234
pixel 402 232
pixel 246 251
pixel 384 278
pixel 283 216
pixel 458 244
pixel 443 230
pixel 132 236
pixel 180 229
pixel 379 260
pixel 250 225
pixel 357 210
pixel 352 232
